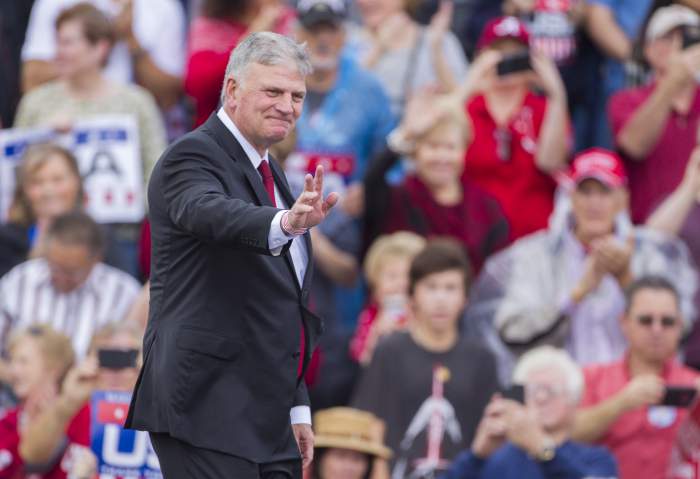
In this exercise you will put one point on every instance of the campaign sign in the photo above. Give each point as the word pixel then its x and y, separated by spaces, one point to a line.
pixel 108 154
pixel 121 453
pixel 337 170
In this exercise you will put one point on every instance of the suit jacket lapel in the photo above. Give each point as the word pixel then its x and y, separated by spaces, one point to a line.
pixel 230 145
pixel 283 187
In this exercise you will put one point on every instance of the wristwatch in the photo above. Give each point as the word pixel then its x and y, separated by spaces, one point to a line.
pixel 546 452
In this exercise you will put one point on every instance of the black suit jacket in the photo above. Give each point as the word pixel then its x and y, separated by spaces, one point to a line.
pixel 221 349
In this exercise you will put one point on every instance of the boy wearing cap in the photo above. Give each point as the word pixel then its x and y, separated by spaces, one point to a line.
pixel 564 286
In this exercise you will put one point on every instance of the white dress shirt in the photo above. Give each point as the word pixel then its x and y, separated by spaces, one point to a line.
pixel 277 237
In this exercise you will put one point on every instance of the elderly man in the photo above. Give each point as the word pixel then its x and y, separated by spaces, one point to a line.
pixel 621 403
pixel 229 321
pixel 564 286
pixel 532 441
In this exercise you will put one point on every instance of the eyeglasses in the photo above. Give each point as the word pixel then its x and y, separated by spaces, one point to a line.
pixel 544 392
pixel 666 322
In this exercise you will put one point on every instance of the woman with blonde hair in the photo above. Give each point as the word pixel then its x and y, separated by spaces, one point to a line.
pixel 432 200
pixel 48 185
pixel 112 365
pixel 39 359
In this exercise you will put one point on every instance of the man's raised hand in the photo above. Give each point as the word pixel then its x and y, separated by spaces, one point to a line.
pixel 310 208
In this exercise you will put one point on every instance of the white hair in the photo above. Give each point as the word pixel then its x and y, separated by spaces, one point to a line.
pixel 548 358
pixel 265 48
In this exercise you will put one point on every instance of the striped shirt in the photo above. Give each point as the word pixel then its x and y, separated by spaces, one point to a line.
pixel 28 297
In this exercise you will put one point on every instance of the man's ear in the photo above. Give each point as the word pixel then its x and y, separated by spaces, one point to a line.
pixel 232 90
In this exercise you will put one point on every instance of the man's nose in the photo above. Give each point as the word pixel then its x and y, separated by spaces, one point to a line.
pixel 285 104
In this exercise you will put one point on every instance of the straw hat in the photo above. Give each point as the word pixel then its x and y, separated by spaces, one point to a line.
pixel 347 428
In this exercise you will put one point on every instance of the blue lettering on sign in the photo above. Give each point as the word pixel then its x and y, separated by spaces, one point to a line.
pixel 119 451
pixel 83 136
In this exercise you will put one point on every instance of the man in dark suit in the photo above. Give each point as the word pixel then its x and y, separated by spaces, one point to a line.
pixel 231 268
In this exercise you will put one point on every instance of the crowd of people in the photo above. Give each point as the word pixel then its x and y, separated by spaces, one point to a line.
pixel 509 282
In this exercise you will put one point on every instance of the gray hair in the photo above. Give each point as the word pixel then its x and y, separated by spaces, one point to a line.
pixel 265 48
pixel 546 358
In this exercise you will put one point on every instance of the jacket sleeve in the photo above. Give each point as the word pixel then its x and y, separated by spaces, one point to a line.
pixel 197 203
pixel 465 466
pixel 301 398
pixel 529 312
pixel 570 463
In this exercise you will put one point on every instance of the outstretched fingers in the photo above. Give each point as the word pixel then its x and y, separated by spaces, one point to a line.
pixel 331 201
pixel 318 179
pixel 308 183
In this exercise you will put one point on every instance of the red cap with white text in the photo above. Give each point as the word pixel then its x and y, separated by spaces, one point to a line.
pixel 503 28
pixel 598 164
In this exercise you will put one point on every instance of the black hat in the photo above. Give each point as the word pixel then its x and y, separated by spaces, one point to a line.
pixel 313 12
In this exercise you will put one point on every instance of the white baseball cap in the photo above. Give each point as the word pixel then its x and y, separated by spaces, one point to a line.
pixel 667 18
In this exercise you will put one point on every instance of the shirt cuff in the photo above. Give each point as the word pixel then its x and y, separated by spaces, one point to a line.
pixel 300 415
pixel 277 237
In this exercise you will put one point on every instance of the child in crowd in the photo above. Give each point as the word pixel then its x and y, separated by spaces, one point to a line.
pixel 430 384
pixel 386 269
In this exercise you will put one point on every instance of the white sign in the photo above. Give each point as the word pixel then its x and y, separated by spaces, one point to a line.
pixel 108 154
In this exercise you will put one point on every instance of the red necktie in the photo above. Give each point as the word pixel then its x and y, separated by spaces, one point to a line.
pixel 268 180
pixel 269 183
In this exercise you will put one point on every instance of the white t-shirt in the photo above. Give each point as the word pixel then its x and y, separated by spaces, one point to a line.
pixel 159 26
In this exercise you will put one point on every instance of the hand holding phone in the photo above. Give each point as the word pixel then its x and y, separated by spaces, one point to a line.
pixel 117 358
pixel 690 35
pixel 515 63
pixel 516 392
pixel 679 396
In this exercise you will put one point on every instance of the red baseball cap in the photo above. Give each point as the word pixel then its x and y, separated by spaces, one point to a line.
pixel 598 164
pixel 503 28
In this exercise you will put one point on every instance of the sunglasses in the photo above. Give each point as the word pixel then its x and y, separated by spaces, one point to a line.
pixel 666 321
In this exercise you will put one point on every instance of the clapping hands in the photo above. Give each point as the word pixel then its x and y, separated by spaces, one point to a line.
pixel 608 256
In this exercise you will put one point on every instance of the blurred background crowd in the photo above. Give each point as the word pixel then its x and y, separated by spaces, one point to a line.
pixel 509 284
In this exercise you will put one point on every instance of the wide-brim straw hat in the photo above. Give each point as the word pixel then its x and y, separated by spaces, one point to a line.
pixel 347 428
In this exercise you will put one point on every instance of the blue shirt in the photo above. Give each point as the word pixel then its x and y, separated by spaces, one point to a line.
pixel 343 134
pixel 353 120
pixel 571 461
pixel 630 16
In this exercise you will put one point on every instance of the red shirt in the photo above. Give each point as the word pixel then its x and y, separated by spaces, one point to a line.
pixel 477 221
pixel 641 440
pixel 365 323
pixel 654 177
pixel 502 162
pixel 11 465
pixel 209 46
